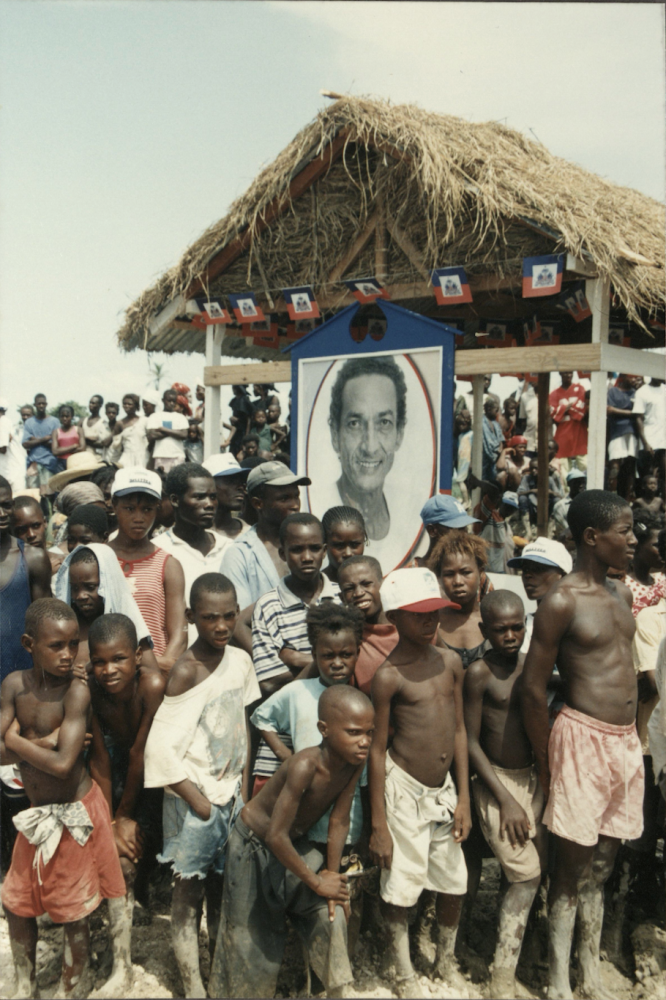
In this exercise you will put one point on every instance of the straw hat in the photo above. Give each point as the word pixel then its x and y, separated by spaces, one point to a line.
pixel 82 463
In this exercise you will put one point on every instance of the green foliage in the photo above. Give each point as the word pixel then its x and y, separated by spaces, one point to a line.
pixel 157 372
pixel 79 410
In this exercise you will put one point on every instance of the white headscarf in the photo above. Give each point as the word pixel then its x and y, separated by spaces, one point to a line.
pixel 113 587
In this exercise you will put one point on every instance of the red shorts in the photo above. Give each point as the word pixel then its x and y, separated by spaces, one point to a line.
pixel 259 782
pixel 75 880
pixel 596 779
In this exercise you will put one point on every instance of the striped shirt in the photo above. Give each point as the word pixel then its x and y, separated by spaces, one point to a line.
pixel 278 620
pixel 146 582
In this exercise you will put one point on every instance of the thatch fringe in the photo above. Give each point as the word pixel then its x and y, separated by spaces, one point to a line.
pixel 457 189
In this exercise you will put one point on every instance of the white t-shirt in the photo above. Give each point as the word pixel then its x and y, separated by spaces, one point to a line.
pixel 201 734
pixel 528 411
pixel 12 461
pixel 657 724
pixel 650 401
pixel 168 447
pixel 194 563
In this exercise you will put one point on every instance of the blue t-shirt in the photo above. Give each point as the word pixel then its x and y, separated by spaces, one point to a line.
pixel 623 400
pixel 293 711
pixel 42 454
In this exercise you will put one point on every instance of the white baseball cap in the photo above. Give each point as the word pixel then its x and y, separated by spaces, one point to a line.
pixel 152 396
pixel 412 590
pixel 224 465
pixel 546 551
pixel 136 480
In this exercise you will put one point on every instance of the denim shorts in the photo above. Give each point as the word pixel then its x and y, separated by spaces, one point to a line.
pixel 194 846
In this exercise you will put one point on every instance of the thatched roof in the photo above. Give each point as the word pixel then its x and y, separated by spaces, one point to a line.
pixel 448 192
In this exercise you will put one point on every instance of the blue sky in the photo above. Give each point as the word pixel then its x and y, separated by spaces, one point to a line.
pixel 128 127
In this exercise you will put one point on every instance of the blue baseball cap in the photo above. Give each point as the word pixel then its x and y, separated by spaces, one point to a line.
pixel 446 510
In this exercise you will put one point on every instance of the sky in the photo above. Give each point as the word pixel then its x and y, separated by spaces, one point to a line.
pixel 128 126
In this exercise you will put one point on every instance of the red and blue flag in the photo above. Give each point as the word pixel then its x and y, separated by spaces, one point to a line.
pixel 301 303
pixel 212 311
pixel 542 275
pixel 245 308
pixel 450 286
pixel 574 301
pixel 367 290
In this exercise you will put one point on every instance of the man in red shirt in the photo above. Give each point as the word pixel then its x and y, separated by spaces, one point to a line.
pixel 568 407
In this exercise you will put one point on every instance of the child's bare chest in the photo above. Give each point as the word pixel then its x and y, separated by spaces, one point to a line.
pixel 120 720
pixel 426 692
pixel 38 716
pixel 601 619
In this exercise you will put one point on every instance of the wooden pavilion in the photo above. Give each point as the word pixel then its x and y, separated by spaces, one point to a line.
pixel 369 188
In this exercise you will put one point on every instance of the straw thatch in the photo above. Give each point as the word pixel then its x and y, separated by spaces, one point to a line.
pixel 478 195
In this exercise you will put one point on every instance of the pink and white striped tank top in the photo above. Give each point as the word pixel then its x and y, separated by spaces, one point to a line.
pixel 146 581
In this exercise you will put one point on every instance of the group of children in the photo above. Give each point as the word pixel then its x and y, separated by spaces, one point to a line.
pixel 373 698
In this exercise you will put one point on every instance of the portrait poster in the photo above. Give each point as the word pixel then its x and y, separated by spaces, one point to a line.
pixel 373 442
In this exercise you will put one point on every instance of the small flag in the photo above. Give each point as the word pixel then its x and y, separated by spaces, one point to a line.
pixel 377 328
pixel 617 334
pixel 542 275
pixel 212 311
pixel 299 328
pixel 367 290
pixel 264 334
pixel 301 303
pixel 246 309
pixel 574 302
pixel 450 286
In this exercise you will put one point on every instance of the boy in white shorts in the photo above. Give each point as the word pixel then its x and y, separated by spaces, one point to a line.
pixel 418 819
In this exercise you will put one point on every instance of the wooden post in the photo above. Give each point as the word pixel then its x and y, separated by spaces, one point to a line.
pixel 477 436
pixel 380 241
pixel 214 337
pixel 543 428
pixel 597 292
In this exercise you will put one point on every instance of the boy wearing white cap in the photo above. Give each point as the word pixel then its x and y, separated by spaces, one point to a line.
pixel 155 576
pixel 418 819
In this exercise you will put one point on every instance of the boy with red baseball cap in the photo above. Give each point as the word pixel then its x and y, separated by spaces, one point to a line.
pixel 419 820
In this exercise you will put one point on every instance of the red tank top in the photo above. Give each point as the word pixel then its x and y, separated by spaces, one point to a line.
pixel 68 439
pixel 146 581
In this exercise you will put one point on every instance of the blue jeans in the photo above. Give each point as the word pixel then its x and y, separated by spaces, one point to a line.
pixel 195 846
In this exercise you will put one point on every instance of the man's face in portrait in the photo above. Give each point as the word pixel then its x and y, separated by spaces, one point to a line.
pixel 368 435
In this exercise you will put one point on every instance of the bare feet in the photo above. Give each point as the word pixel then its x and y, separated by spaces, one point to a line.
pixel 449 973
pixel 596 992
pixel 503 985
pixel 408 989
pixel 117 986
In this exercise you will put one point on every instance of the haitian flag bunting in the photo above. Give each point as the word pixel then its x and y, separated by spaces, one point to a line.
pixel 301 303
pixel 264 334
pixel 367 290
pixel 212 311
pixel 450 286
pixel 542 275
pixel 246 309
pixel 574 302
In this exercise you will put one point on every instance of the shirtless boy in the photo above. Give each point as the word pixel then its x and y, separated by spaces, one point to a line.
pixel 507 794
pixel 274 871
pixel 418 820
pixel 590 764
pixel 68 830
pixel 125 697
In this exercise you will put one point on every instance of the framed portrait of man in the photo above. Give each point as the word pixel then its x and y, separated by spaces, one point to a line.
pixel 369 432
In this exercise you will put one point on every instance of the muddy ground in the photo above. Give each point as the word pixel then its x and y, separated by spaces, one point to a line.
pixel 638 972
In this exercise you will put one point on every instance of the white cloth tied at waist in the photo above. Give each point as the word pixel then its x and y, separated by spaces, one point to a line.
pixel 433 805
pixel 43 826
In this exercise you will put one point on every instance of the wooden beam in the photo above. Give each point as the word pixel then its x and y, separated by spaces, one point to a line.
pixel 355 249
pixel 268 371
pixel 407 247
pixel 380 240
pixel 597 292
pixel 543 425
pixel 631 362
pixel 477 436
pixel 212 437
pixel 225 257
pixel 553 358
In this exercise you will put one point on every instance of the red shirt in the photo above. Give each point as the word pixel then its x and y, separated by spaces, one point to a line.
pixel 570 432
pixel 378 642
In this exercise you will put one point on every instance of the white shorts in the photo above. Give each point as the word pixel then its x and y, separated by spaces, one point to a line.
pixel 623 447
pixel 425 855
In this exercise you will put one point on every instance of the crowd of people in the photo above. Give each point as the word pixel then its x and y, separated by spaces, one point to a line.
pixel 199 678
